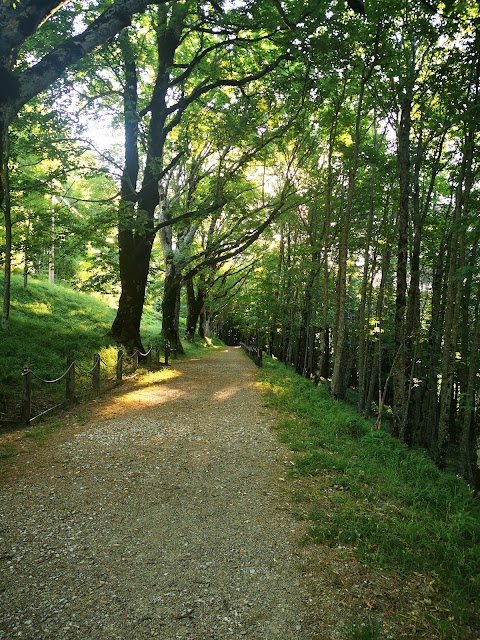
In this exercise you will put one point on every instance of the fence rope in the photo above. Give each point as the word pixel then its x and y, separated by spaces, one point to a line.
pixel 27 374
pixel 144 355
pixel 24 373
pixel 109 366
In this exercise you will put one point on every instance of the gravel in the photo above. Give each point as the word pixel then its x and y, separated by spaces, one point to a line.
pixel 163 516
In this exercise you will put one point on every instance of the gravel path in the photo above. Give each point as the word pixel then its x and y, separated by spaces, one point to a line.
pixel 163 516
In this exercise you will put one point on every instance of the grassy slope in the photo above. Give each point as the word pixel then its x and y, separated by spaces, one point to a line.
pixel 48 323
pixel 387 507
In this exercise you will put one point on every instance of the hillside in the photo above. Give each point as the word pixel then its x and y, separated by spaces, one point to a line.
pixel 47 324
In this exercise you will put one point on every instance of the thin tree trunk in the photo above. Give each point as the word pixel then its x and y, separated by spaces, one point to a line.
pixel 308 304
pixel 376 369
pixel 426 435
pixel 338 376
pixel 399 377
pixel 362 326
pixel 323 362
pixel 454 299
pixel 195 304
pixel 274 315
pixel 4 155
pixel 467 437
pixel 339 382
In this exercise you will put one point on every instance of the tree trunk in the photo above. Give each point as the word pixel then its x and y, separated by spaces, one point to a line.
pixel 323 362
pixel 414 356
pixel 192 314
pixel 134 250
pixel 304 357
pixel 136 225
pixel 376 378
pixel 362 326
pixel 195 304
pixel 412 320
pixel 468 353
pixel 454 298
pixel 171 307
pixel 467 436
pixel 134 266
pixel 339 383
pixel 287 323
pixel 399 375
pixel 5 188
pixel 204 326
pixel 426 436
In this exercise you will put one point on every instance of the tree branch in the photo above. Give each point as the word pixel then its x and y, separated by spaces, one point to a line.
pixel 20 23
pixel 179 107
pixel 41 75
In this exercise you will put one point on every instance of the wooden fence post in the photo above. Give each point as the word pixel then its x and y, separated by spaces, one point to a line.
pixel 96 373
pixel 135 360
pixel 167 352
pixel 259 357
pixel 119 368
pixel 259 351
pixel 26 408
pixel 70 379
pixel 156 360
pixel 148 358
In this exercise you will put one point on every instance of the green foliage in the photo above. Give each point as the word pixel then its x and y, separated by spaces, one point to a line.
pixel 388 503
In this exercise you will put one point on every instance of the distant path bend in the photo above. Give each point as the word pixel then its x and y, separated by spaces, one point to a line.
pixel 161 517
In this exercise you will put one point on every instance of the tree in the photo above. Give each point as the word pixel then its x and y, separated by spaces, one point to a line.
pixel 21 81
pixel 192 62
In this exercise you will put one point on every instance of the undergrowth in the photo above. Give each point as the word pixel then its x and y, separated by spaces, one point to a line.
pixel 388 504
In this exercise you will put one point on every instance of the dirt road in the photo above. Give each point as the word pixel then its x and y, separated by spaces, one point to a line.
pixel 162 516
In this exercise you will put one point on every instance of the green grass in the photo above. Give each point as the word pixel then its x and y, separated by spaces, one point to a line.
pixel 368 629
pixel 40 431
pixel 388 503
pixel 7 451
pixel 48 323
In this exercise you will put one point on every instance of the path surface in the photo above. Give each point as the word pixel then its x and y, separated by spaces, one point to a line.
pixel 161 517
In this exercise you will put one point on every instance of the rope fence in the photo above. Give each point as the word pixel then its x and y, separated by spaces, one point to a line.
pixel 255 353
pixel 92 377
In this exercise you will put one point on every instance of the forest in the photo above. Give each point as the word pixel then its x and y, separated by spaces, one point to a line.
pixel 299 175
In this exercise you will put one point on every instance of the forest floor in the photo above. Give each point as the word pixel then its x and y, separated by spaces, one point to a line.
pixel 163 514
